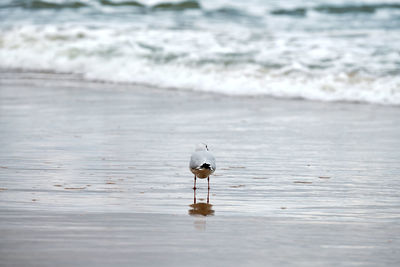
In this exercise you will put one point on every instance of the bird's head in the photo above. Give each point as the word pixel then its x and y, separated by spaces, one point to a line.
pixel 201 147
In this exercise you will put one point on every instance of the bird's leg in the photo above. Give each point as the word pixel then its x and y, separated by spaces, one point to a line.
pixel 194 183
pixel 208 195
pixel 194 196
pixel 208 180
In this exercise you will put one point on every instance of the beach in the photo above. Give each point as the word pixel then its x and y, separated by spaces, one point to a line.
pixel 94 174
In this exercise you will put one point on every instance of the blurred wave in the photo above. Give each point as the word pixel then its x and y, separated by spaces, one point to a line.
pixel 321 50
pixel 336 9
pixel 38 4
pixel 42 4
pixel 124 3
pixel 192 4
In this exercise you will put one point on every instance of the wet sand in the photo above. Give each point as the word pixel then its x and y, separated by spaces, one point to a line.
pixel 93 174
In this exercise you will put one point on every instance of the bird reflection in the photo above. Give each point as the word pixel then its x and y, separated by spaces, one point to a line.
pixel 201 208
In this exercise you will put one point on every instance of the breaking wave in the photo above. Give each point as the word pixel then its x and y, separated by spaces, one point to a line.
pixel 305 49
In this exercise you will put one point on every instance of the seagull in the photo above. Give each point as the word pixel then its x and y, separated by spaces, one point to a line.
pixel 202 163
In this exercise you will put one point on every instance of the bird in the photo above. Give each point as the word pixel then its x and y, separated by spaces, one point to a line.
pixel 202 163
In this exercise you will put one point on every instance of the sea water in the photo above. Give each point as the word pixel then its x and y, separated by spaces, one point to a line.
pixel 329 50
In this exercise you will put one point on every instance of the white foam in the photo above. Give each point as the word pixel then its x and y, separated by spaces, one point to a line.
pixel 201 60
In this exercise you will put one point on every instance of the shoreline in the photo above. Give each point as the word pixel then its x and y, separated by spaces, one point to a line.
pixel 79 79
pixel 94 174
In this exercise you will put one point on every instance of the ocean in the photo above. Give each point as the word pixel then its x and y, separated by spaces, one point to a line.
pixel 329 50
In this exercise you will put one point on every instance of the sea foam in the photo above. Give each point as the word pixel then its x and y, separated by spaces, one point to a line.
pixel 220 50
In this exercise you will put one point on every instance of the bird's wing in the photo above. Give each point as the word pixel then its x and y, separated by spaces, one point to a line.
pixel 198 158
pixel 212 162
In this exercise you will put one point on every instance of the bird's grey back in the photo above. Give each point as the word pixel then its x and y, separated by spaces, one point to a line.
pixel 200 157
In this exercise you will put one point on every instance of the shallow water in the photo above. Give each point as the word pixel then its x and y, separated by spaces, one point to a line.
pixel 126 239
pixel 104 148
pixel 96 174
